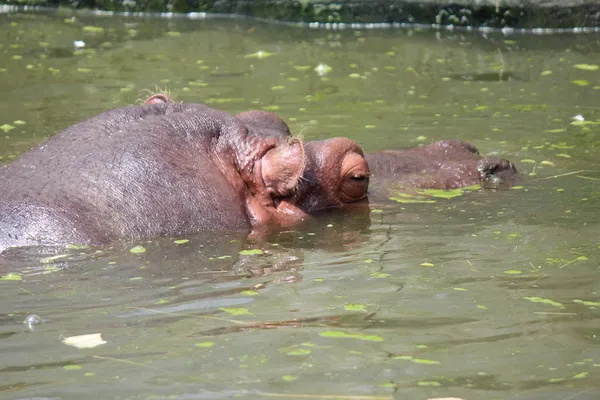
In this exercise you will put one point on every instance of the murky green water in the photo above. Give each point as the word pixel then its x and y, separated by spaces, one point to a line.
pixel 492 295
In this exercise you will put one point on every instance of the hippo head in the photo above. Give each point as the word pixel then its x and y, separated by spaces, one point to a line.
pixel 334 174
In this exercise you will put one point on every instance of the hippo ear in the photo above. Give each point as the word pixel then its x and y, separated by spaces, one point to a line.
pixel 158 98
pixel 282 167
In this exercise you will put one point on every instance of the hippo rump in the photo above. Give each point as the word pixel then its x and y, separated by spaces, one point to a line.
pixel 168 169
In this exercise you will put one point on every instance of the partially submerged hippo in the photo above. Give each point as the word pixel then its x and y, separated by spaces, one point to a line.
pixel 175 169
pixel 151 170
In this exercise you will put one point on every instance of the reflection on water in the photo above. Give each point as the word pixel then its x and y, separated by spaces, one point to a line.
pixel 490 295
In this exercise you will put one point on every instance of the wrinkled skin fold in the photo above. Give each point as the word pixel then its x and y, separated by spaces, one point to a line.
pixel 167 169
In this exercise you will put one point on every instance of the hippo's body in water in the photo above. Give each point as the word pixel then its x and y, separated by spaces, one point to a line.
pixel 165 169
pixel 152 170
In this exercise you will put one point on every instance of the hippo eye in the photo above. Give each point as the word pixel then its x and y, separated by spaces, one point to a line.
pixel 355 178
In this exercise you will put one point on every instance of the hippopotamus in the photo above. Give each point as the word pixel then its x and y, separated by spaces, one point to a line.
pixel 157 169
pixel 171 169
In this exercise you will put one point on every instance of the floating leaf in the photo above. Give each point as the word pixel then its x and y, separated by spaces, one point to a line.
pixel 204 344
pixel 235 310
pixel 513 272
pixel 355 307
pixel 429 383
pixel 93 29
pixel 299 352
pixel 85 341
pixel 580 82
pixel 289 378
pixel 181 241
pixel 345 335
pixel 251 252
pixel 137 249
pixel 260 55
pixel 423 361
pixel 411 201
pixel 443 194
pixel 72 367
pixel 581 375
pixel 11 277
pixel 558 130
pixel 249 292
pixel 587 303
pixel 587 67
pixel 545 301
pixel 426 264
pixel 379 275
pixel 302 67
pixel 6 127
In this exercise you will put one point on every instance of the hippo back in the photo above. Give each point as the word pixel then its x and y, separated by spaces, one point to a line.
pixel 128 173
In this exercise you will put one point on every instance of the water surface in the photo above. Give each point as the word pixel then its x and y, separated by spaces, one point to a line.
pixel 490 295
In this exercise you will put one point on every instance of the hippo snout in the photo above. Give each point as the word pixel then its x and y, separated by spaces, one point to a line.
pixel 496 171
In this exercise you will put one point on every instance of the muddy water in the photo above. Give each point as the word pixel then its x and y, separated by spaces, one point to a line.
pixel 488 295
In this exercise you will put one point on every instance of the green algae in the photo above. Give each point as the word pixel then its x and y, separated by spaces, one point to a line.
pixel 345 335
pixel 137 249
pixel 204 344
pixel 235 310
pixel 355 307
pixel 251 252
pixel 11 277
pixel 545 301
